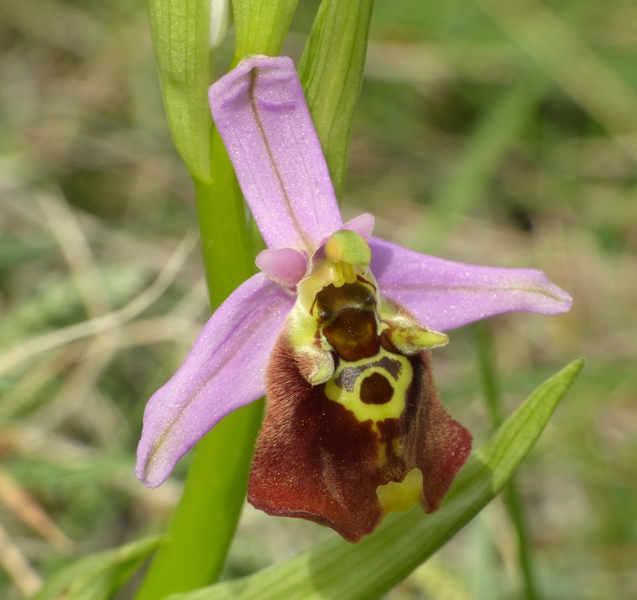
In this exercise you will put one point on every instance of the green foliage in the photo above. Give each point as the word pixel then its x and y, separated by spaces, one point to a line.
pixel 99 576
pixel 181 38
pixel 261 26
pixel 331 72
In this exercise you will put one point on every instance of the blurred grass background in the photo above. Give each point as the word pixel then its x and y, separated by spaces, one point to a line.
pixel 498 132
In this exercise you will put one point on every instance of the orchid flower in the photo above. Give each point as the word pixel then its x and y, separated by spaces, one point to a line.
pixel 335 330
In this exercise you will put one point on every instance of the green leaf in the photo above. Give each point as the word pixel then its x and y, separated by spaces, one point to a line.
pixel 261 25
pixel 512 497
pixel 99 576
pixel 337 569
pixel 181 38
pixel 331 71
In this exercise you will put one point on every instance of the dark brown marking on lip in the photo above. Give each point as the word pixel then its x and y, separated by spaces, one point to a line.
pixel 376 389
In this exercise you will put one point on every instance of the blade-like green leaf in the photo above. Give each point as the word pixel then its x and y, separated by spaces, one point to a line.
pixel 331 71
pixel 181 38
pixel 340 570
pixel 512 497
pixel 99 576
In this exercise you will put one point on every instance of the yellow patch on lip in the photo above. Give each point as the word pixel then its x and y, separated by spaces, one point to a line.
pixel 345 386
pixel 400 496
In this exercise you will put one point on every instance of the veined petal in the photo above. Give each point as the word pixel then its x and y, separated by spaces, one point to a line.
pixel 223 371
pixel 444 295
pixel 261 113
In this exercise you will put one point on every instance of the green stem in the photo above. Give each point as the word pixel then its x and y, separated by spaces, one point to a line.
pixel 513 501
pixel 512 497
pixel 205 520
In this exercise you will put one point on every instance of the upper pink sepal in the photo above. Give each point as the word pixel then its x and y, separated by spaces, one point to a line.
pixel 261 113
pixel 363 225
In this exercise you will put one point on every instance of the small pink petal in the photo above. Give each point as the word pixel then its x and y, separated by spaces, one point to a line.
pixel 363 225
pixel 444 295
pixel 223 371
pixel 285 266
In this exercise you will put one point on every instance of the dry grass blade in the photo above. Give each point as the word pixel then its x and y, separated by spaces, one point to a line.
pixel 73 243
pixel 25 507
pixel 107 322
pixel 17 566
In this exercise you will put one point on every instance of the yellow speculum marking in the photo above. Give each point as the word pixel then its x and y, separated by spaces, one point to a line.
pixel 351 399
pixel 401 495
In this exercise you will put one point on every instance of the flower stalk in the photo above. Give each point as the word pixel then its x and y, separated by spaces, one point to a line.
pixel 216 483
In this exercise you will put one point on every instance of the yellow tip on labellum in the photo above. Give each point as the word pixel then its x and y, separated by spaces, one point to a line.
pixel 400 496
pixel 416 339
